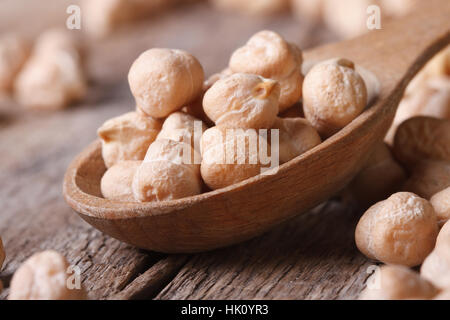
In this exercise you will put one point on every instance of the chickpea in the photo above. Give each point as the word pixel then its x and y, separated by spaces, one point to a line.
pixel 428 178
pixel 53 77
pixel 441 204
pixel 117 180
pixel 44 276
pixel 127 137
pixel 267 54
pixel 432 100
pixel 394 282
pixel 333 95
pixel 422 138
pixel 260 7
pixel 296 136
pixel 216 77
pixel 444 235
pixel 380 177
pixel 180 126
pixel 436 267
pixel 398 8
pixel 164 80
pixel 400 230
pixel 230 156
pixel 14 51
pixel 243 101
pixel 169 171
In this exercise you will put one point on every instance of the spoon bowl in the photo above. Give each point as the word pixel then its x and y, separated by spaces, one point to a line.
pixel 244 210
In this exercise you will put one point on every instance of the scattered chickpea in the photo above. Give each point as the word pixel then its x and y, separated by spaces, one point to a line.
pixel 333 95
pixel 243 101
pixel 260 7
pixel 164 80
pixel 169 171
pixel 117 180
pixel 441 204
pixel 400 230
pixel 224 162
pixel 422 138
pixel 127 137
pixel 394 282
pixel 296 136
pixel 43 276
pixel 181 127
pixel 428 178
pixel 380 177
pixel 53 77
pixel 267 54
pixel 14 51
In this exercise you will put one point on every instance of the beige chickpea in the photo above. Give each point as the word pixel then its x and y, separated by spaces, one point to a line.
pixel 428 178
pixel 398 8
pixel 432 100
pixel 102 17
pixel 14 51
pixel 127 137
pixel 394 282
pixel 164 80
pixel 230 156
pixel 444 235
pixel 422 138
pixel 44 276
pixel 216 77
pixel 182 127
pixel 2 254
pixel 441 204
pixel 169 171
pixel 242 101
pixel 380 177
pixel 267 54
pixel 117 181
pixel 260 7
pixel 436 267
pixel 296 136
pixel 399 230
pixel 53 77
pixel 333 95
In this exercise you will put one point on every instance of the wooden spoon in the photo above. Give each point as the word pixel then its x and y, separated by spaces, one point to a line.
pixel 249 208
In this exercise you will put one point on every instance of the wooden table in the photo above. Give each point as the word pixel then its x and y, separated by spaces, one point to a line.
pixel 312 257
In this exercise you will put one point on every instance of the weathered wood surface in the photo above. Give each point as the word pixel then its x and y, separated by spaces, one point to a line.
pixel 312 257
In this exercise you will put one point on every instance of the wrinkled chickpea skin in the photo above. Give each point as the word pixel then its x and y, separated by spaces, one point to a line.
pixel 43 276
pixel 399 230
pixel 169 171
pixel 243 101
pixel 117 181
pixel 267 54
pixel 334 94
pixel 127 137
pixel 164 80
pixel 393 282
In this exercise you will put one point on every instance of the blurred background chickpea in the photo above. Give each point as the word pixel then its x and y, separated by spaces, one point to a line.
pixel 441 204
pixel 14 51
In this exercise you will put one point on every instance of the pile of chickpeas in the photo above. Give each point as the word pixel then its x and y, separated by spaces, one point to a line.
pixel 143 150
pixel 411 227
